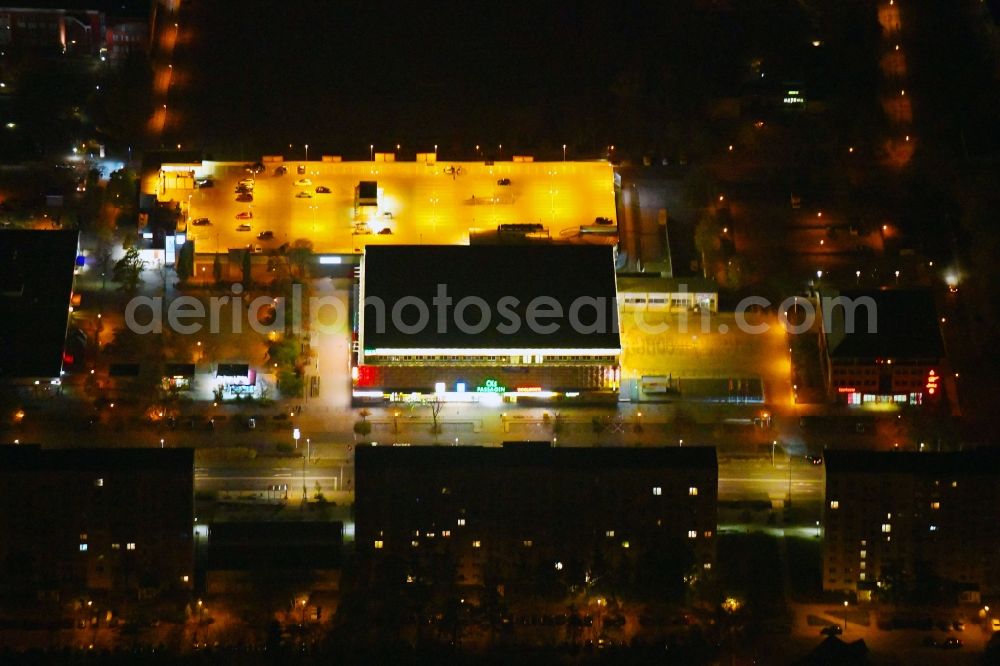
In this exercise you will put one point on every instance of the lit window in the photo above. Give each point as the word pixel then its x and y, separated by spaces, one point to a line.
pixel 864 565
pixel 862 575
pixel 933 528
pixel 935 505
pixel 610 534
pixel 657 490
pixel 834 504
pixel 98 483
pixel 692 534
pixel 708 565
pixel 692 491
pixel 445 491
pixel 445 533
pixel 130 546
pixel 416 533
pixel 954 484
pixel 185 579
pixel 461 522
pixel 527 543
pixel 83 548
pixel 83 536
pixel 864 554
pixel 708 534
pixel 378 544
pixel 477 544
pixel 414 543
pixel 116 546
pixel 625 544
pixel 886 528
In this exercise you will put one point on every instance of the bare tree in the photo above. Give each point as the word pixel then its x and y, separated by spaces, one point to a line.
pixel 436 406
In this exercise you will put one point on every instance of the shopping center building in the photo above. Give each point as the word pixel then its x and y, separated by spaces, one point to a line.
pixel 486 324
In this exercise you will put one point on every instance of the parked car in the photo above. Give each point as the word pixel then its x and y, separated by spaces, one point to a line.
pixel 322 189
pixel 303 195
pixel 243 227
pixel 300 169
pixel 201 222
pixel 265 235
pixel 995 624
pixel 951 643
pixel 204 182
pixel 244 197
pixel 280 170
pixel 503 182
pixel 302 182
pixel 247 182
pixel 832 630
pixel 603 220
pixel 385 232
pixel 245 215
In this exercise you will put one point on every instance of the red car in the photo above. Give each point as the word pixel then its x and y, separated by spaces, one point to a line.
pixel 245 215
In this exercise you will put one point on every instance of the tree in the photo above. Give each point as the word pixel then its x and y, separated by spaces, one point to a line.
pixel 103 262
pixel 290 383
pixel 185 261
pixel 247 268
pixel 300 255
pixel 363 427
pixel 436 406
pixel 128 270
pixel 706 239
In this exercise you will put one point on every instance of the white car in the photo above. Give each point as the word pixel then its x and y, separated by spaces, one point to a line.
pixel 303 195
pixel 302 182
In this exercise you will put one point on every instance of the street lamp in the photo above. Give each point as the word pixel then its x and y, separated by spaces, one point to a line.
pixel 295 435
pixel 564 152
pixel 307 152
pixel 371 152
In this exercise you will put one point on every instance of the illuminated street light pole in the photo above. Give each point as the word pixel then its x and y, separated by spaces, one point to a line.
pixel 564 152
pixel 307 152
pixel 371 152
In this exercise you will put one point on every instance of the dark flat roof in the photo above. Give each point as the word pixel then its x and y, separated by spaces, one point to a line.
pixel 535 455
pixel 491 272
pixel 907 327
pixel 275 545
pixel 975 461
pixel 33 457
pixel 36 282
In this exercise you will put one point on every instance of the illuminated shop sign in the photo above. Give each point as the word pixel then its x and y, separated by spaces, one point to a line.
pixel 491 386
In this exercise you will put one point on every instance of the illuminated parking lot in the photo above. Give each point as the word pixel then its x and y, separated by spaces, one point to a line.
pixel 417 203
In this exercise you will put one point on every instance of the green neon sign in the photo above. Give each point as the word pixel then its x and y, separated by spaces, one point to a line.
pixel 491 386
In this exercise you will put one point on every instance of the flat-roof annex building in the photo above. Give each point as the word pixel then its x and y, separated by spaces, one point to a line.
pixel 496 507
pixel 486 323
pixel 900 360
pixel 895 520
